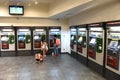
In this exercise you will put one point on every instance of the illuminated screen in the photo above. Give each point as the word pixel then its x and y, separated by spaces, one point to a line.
pixel 113 44
pixel 72 37
pixel 93 40
pixel 36 37
pixel 80 39
pixel 4 38
pixel 21 38
pixel 16 10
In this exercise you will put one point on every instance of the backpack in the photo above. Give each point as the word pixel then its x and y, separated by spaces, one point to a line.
pixel 57 41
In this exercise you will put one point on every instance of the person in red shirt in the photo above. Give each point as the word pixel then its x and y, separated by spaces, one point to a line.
pixel 55 46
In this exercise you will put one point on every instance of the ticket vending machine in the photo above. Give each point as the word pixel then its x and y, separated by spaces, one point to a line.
pixel 38 35
pixel 52 32
pixel 113 50
pixel 92 46
pixel 96 47
pixel 24 41
pixel 21 41
pixel 7 42
pixel 82 43
pixel 73 41
pixel 81 40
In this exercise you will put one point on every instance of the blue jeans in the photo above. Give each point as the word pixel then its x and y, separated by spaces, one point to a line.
pixel 55 49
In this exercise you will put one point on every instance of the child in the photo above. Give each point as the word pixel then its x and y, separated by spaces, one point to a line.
pixel 39 57
pixel 44 48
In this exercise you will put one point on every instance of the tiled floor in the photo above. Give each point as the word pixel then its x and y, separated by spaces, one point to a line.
pixel 63 67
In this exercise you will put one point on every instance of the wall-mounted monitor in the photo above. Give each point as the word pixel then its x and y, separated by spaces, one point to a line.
pixel 16 10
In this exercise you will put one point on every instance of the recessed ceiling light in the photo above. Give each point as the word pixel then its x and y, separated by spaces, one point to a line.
pixel 29 4
pixel 36 2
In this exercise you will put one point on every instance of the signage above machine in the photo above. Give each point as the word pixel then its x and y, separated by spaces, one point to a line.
pixel 95 25
pixel 114 23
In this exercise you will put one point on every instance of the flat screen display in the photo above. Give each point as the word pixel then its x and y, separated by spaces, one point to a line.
pixel 16 10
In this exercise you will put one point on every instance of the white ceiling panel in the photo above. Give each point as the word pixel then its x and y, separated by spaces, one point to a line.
pixel 24 1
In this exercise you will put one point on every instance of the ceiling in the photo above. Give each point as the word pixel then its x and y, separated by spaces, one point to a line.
pixel 27 2
pixel 39 1
pixel 81 8
pixel 69 12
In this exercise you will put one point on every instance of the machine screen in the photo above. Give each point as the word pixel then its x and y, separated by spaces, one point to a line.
pixel 113 44
pixel 4 38
pixel 36 37
pixel 80 39
pixel 72 37
pixel 93 41
pixel 21 38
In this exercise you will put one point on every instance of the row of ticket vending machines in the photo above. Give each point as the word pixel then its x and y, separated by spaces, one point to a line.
pixel 98 46
pixel 17 39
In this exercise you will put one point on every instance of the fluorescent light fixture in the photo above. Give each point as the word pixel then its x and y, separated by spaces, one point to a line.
pixel 81 29
pixel 39 29
pixel 54 29
pixel 73 29
pixel 96 29
pixel 23 30
pixel 36 2
pixel 7 30
pixel 115 28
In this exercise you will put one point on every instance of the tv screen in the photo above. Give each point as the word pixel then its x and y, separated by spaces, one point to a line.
pixel 16 10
